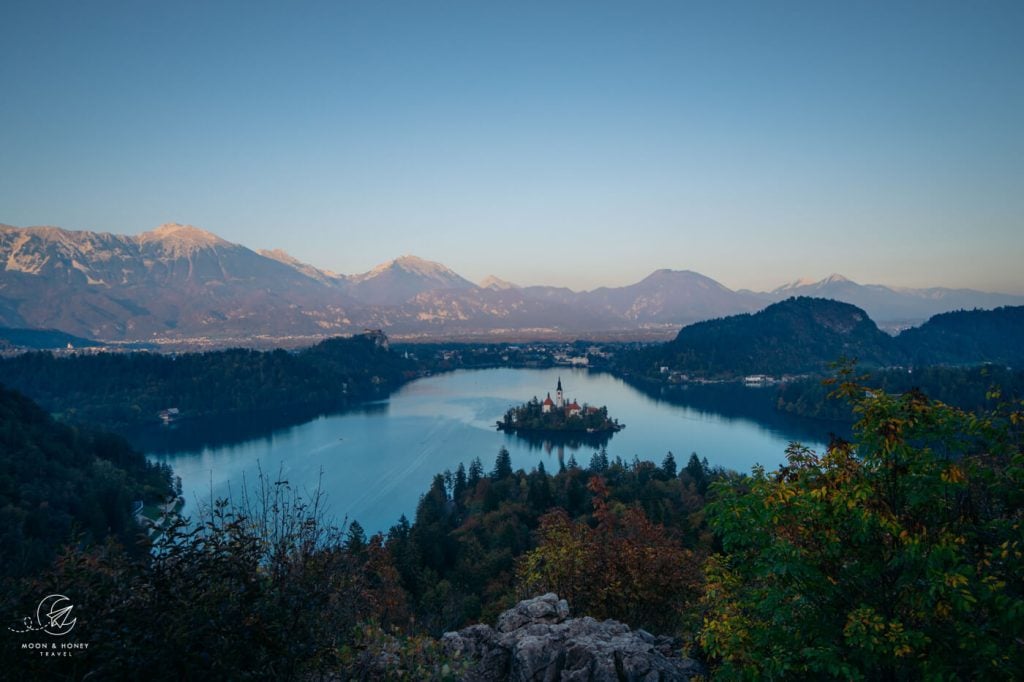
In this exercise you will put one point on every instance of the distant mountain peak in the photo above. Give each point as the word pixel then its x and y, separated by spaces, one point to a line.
pixel 420 266
pixel 810 282
pixel 414 265
pixel 661 272
pixel 802 282
pixel 675 278
pixel 403 278
pixel 496 283
pixel 182 236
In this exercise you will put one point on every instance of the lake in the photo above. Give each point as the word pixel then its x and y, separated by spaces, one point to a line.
pixel 375 462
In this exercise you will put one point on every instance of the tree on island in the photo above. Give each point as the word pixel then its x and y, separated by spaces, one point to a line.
pixel 531 416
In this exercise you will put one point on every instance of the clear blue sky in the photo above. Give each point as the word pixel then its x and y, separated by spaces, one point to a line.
pixel 568 143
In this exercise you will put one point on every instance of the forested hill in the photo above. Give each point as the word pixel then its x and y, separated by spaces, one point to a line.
pixel 794 336
pixel 805 335
pixel 121 389
pixel 968 337
pixel 59 484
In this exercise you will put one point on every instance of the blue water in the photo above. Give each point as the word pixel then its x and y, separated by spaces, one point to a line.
pixel 375 463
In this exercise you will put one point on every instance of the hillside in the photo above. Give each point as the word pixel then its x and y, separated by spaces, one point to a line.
pixel 61 485
pixel 795 336
pixel 968 337
pixel 806 335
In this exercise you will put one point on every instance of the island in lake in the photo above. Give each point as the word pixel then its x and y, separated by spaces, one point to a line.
pixel 558 416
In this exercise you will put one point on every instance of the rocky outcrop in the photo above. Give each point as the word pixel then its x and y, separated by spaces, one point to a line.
pixel 537 641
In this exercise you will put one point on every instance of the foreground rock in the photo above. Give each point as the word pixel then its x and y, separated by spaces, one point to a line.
pixel 538 641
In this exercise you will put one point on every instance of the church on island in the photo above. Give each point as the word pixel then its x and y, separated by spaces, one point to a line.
pixel 571 409
pixel 558 415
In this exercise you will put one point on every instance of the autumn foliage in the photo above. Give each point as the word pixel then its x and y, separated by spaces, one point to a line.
pixel 262 589
pixel 623 567
pixel 898 556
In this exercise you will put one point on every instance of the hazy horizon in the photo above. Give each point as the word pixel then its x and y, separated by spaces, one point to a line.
pixel 578 144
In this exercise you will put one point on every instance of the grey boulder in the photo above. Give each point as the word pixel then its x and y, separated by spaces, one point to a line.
pixel 537 641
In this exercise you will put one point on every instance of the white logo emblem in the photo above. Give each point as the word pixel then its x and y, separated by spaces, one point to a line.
pixel 53 616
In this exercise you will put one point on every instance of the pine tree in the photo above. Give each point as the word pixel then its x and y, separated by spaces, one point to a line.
pixel 698 471
pixel 355 538
pixel 668 465
pixel 459 488
pixel 476 472
pixel 502 465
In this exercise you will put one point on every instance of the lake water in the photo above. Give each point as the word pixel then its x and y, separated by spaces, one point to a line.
pixel 375 462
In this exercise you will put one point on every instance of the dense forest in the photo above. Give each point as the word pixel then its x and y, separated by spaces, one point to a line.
pixel 60 484
pixel 805 335
pixel 792 337
pixel 968 336
pixel 969 388
pixel 115 390
pixel 480 540
pixel 897 555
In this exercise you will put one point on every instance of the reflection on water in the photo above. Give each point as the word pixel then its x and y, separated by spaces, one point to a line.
pixel 735 401
pixel 195 435
pixel 573 441
pixel 376 461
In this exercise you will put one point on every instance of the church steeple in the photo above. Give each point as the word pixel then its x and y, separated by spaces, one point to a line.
pixel 559 400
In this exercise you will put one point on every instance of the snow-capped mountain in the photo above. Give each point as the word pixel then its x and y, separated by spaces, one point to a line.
pixel 172 281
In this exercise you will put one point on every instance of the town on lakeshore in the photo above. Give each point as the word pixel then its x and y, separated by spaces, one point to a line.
pixel 557 415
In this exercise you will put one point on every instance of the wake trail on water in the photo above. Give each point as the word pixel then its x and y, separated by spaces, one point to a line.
pixel 391 478
pixel 325 446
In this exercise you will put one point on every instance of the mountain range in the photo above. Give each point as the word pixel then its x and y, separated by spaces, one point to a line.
pixel 178 282
pixel 894 306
